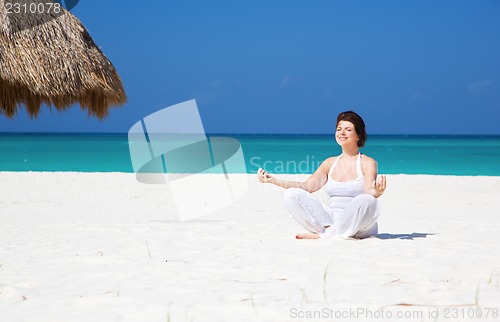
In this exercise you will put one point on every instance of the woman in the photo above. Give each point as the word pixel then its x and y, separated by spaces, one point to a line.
pixel 351 182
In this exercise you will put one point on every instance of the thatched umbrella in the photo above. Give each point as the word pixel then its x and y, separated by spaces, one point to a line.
pixel 50 58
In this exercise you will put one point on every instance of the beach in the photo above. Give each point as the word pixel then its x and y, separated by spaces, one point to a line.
pixel 105 247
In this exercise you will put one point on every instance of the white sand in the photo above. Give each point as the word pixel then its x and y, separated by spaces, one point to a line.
pixel 104 247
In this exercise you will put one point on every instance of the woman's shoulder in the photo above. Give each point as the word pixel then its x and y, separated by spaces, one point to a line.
pixel 367 161
pixel 328 162
pixel 331 160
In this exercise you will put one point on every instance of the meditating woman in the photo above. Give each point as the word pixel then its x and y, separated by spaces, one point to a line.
pixel 351 182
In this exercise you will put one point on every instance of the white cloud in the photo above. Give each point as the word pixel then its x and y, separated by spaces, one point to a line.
pixel 480 87
pixel 418 95
pixel 216 83
pixel 285 81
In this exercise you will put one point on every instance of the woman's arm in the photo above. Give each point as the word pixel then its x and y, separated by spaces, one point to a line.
pixel 312 184
pixel 374 185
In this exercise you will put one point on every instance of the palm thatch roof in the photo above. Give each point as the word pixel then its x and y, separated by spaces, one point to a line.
pixel 50 59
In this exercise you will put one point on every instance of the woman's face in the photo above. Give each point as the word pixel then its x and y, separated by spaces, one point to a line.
pixel 346 134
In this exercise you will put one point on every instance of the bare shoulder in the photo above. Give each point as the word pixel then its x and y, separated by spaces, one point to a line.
pixel 327 164
pixel 369 167
pixel 368 162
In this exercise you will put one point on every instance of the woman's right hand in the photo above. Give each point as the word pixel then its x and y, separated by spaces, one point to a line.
pixel 264 177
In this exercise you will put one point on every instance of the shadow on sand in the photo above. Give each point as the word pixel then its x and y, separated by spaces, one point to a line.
pixel 403 236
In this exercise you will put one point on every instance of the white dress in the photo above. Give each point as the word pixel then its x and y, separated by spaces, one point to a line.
pixel 350 213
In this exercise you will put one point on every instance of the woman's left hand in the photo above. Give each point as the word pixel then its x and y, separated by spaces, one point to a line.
pixel 379 185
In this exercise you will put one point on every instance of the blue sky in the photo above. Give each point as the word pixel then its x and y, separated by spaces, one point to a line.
pixel 289 66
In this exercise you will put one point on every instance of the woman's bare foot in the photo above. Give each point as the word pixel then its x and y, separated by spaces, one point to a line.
pixel 307 236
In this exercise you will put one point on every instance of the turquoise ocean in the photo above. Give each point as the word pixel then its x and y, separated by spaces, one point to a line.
pixel 395 154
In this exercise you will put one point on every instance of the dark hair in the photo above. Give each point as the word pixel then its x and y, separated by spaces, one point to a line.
pixel 359 125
